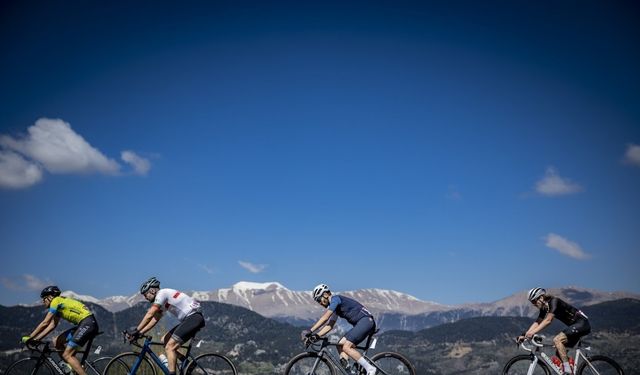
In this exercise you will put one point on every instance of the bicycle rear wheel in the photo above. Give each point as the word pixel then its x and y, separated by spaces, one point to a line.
pixel 520 364
pixel 211 364
pixel 393 364
pixel 124 364
pixel 309 364
pixel 599 365
pixel 97 366
pixel 29 366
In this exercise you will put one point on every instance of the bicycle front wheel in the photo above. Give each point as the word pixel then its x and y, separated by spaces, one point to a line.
pixel 29 366
pixel 309 364
pixel 391 363
pixel 211 364
pixel 599 365
pixel 520 365
pixel 128 364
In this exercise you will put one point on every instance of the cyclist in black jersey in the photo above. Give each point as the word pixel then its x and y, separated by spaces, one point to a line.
pixel 553 307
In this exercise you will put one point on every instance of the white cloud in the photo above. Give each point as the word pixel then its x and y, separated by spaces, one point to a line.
pixel 552 184
pixel 565 247
pixel 253 268
pixel 25 282
pixel 52 145
pixel 16 172
pixel 632 156
pixel 206 268
pixel 59 149
pixel 140 165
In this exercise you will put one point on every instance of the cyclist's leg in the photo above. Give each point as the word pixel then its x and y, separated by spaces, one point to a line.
pixel 86 330
pixel 356 335
pixel 180 334
pixel 569 338
pixel 60 341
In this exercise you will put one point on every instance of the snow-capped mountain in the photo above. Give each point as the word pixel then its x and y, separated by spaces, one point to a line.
pixel 394 310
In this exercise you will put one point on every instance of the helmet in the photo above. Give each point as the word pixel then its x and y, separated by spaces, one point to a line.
pixel 151 283
pixel 51 290
pixel 319 290
pixel 535 293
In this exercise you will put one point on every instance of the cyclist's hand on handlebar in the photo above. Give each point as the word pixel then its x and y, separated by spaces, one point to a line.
pixel 520 339
pixel 132 334
pixel 25 339
pixel 304 335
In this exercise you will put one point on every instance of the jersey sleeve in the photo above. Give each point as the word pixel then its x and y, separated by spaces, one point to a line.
pixel 55 306
pixel 553 305
pixel 161 298
pixel 335 302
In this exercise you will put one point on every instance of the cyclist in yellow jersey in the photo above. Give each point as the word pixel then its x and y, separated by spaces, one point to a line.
pixel 73 311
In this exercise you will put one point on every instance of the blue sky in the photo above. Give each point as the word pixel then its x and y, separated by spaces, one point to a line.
pixel 457 152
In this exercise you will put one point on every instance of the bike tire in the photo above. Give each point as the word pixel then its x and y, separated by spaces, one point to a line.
pixel 601 364
pixel 29 366
pixel 520 365
pixel 97 366
pixel 302 364
pixel 393 364
pixel 211 364
pixel 123 363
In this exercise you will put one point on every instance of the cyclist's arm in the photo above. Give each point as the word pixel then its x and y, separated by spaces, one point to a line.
pixel 45 327
pixel 150 319
pixel 323 319
pixel 537 327
pixel 329 326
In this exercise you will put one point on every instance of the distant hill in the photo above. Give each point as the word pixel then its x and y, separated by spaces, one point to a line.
pixel 259 345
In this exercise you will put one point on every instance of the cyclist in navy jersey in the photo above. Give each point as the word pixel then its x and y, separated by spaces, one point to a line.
pixel 553 307
pixel 354 313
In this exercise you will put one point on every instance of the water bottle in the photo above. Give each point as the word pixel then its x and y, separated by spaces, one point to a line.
pixel 64 367
pixel 164 360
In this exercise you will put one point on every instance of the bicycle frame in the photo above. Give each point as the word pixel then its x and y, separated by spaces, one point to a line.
pixel 45 355
pixel 538 355
pixel 324 351
pixel 146 350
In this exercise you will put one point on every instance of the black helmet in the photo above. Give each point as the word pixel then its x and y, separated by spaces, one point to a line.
pixel 51 290
pixel 151 283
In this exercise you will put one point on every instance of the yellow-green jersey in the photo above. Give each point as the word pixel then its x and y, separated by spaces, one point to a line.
pixel 69 309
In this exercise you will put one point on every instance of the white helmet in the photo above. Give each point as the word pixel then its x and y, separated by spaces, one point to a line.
pixel 535 293
pixel 319 290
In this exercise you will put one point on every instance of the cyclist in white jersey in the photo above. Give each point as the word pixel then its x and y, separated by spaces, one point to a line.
pixel 186 309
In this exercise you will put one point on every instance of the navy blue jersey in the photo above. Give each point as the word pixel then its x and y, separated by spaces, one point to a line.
pixel 348 309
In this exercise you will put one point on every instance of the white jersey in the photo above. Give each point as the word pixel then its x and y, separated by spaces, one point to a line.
pixel 177 303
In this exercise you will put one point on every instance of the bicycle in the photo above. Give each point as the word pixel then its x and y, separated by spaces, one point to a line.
pixel 538 362
pixel 141 362
pixel 40 362
pixel 318 360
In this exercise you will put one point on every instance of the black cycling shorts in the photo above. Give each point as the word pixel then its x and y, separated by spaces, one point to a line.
pixel 363 328
pixel 577 330
pixel 188 328
pixel 83 332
